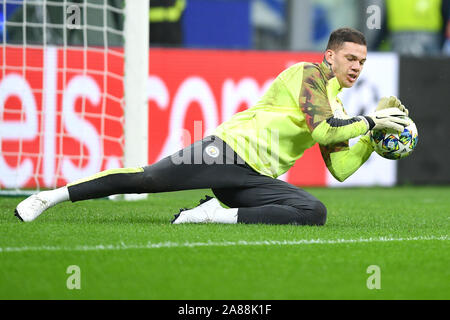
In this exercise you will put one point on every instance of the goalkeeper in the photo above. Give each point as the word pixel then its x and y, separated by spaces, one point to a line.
pixel 242 159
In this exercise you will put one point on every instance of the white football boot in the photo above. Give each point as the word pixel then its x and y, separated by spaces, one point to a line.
pixel 32 207
pixel 203 213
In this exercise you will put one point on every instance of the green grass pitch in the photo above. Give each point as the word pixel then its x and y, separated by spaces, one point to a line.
pixel 129 250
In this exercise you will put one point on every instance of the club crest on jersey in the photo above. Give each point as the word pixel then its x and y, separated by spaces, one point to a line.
pixel 212 151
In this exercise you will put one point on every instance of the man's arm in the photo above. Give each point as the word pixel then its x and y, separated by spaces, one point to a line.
pixel 330 132
pixel 342 161
pixel 325 128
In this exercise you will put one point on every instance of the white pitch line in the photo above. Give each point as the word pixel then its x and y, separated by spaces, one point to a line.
pixel 150 245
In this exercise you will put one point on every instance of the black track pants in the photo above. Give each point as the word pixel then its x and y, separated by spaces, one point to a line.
pixel 211 163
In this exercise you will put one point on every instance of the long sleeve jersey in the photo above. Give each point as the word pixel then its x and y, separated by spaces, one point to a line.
pixel 300 109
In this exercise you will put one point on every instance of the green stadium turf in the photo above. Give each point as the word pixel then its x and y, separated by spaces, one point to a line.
pixel 129 250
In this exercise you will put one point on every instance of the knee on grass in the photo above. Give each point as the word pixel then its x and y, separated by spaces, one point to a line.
pixel 315 214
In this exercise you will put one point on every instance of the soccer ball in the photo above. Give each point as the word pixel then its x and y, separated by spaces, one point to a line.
pixel 393 145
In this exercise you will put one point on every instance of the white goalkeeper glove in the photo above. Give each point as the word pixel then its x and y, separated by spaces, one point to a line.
pixel 391 119
pixel 391 102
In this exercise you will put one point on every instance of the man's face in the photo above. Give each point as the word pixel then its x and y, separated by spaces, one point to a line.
pixel 347 62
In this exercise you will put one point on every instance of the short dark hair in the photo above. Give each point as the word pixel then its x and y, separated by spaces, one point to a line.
pixel 341 35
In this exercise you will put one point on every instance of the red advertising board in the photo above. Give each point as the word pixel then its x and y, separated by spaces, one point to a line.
pixel 61 111
pixel 60 116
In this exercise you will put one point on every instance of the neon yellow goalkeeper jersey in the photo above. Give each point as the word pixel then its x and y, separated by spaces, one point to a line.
pixel 299 109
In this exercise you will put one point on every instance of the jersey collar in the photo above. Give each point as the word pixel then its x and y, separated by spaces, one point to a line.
pixel 325 67
pixel 333 85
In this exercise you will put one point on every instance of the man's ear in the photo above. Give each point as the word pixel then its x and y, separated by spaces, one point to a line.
pixel 329 56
